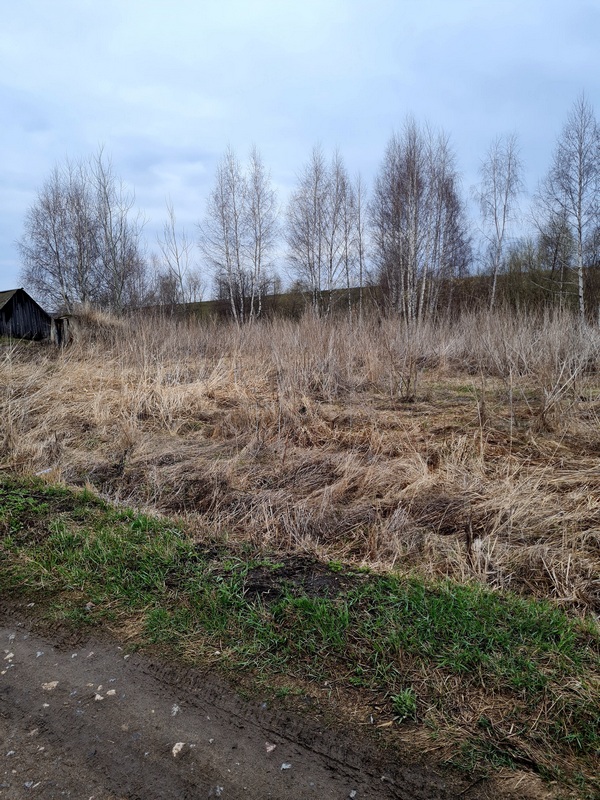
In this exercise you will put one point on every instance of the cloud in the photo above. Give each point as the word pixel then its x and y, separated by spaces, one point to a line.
pixel 166 87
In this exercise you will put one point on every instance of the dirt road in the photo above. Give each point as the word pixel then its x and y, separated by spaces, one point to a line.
pixel 86 720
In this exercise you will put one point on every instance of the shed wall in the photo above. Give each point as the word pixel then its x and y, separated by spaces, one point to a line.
pixel 22 318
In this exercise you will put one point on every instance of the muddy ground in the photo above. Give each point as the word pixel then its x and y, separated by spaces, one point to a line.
pixel 85 719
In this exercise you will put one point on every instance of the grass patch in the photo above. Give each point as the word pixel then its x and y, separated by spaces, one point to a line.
pixel 519 678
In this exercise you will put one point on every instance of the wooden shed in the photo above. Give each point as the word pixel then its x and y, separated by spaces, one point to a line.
pixel 21 317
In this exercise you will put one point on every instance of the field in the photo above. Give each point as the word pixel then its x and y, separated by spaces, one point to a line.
pixel 441 475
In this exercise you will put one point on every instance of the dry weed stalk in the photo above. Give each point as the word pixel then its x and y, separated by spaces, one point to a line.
pixel 299 435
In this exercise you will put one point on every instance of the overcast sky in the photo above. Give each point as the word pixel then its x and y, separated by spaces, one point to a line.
pixel 166 85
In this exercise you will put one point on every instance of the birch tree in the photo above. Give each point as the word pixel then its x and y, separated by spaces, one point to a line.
pixel 82 240
pixel 321 230
pixel 497 195
pixel 238 233
pixel 45 247
pixel 305 228
pixel 417 220
pixel 119 231
pixel 569 196
pixel 262 228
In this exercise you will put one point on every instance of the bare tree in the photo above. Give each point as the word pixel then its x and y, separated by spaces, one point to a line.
pixel 80 244
pixel 262 228
pixel 447 241
pixel 305 229
pixel 59 248
pixel 350 196
pixel 569 196
pixel 321 230
pixel 360 241
pixel 119 237
pixel 349 233
pixel 44 245
pixel 497 195
pixel 556 252
pixel 83 233
pixel 335 207
pixel 178 268
pixel 238 233
pixel 417 220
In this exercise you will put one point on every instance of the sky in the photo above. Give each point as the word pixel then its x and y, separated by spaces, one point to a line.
pixel 165 86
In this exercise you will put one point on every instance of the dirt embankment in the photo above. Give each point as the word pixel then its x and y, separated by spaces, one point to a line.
pixel 84 719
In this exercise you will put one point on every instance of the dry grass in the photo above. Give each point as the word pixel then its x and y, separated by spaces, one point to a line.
pixel 467 449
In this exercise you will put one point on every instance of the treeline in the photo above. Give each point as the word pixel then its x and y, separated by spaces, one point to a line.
pixel 405 243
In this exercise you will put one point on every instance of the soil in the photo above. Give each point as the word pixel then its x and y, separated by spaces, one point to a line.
pixel 85 719
pixel 312 578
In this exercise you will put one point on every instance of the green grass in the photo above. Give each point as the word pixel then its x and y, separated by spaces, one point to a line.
pixel 404 704
pixel 412 645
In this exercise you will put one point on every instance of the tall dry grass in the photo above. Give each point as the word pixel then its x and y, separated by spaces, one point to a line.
pixel 466 448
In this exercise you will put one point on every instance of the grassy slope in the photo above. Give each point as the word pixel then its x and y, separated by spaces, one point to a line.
pixel 495 679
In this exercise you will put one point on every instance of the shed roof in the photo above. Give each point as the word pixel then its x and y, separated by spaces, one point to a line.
pixel 5 296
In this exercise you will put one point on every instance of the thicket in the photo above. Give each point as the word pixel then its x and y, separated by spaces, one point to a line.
pixel 464 447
